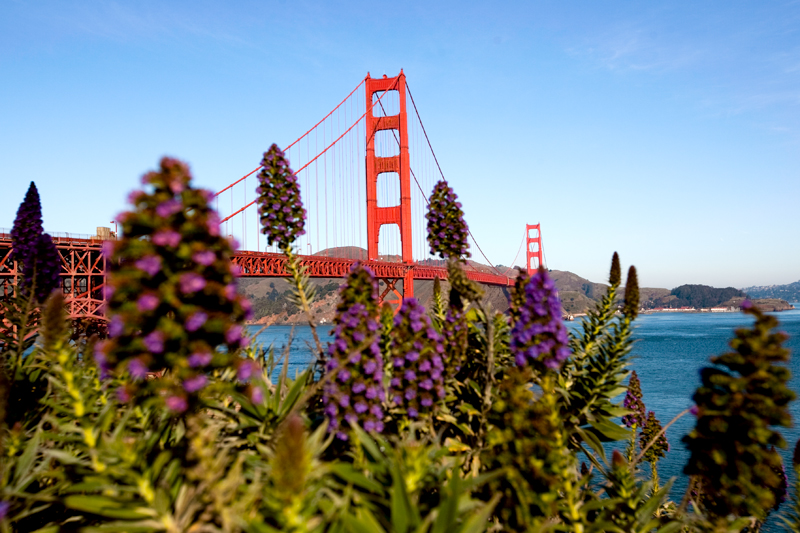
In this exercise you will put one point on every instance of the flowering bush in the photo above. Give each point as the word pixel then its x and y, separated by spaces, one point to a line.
pixel 447 231
pixel 172 300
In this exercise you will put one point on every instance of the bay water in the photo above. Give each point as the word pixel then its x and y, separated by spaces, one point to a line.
pixel 669 351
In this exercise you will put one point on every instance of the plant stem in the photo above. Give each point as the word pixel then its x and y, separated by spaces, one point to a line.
pixel 297 273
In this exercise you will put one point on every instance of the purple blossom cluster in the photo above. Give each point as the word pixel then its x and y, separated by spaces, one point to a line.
pixel 538 336
pixel 279 204
pixel 34 251
pixel 447 230
pixel 417 366
pixel 354 391
pixel 172 300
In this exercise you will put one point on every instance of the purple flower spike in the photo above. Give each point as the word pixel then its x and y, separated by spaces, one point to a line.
pixel 415 345
pixel 34 250
pixel 633 401
pixel 355 359
pixel 538 336
pixel 447 231
pixel 170 269
pixel 282 222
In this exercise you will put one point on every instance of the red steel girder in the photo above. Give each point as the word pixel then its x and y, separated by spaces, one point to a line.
pixel 83 271
pixel 265 264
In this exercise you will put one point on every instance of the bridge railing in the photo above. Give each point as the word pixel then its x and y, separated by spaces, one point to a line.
pixel 5 235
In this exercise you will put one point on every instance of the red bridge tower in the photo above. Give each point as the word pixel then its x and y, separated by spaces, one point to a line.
pixel 399 214
pixel 533 247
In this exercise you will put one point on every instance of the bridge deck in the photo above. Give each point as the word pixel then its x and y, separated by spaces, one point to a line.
pixel 83 270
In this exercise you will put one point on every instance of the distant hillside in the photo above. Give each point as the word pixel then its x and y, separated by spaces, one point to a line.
pixel 790 292
pixel 272 304
pixel 703 296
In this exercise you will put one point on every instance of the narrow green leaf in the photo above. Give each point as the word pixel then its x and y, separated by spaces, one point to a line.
pixel 478 522
pixel 294 392
pixel 609 430
pixel 364 523
pixel 448 506
pixel 351 475
pixel 107 507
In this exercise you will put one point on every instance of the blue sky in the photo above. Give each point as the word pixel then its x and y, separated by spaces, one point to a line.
pixel 669 132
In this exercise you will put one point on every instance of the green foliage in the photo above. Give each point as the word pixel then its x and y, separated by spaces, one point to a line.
pixel 593 377
pixel 526 443
pixel 631 506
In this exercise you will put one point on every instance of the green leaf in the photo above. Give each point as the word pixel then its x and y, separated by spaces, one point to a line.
pixel 293 394
pixel 448 507
pixel 480 521
pixel 367 442
pixel 65 457
pixel 108 507
pixel 400 504
pixel 47 529
pixel 609 430
pixel 27 457
pixel 351 475
pixel 142 526
pixel 671 527
pixel 363 523
pixel 594 443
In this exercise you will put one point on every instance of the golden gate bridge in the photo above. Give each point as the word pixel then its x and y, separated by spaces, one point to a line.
pixel 368 162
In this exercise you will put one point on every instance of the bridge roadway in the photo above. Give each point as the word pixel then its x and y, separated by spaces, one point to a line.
pixel 83 271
